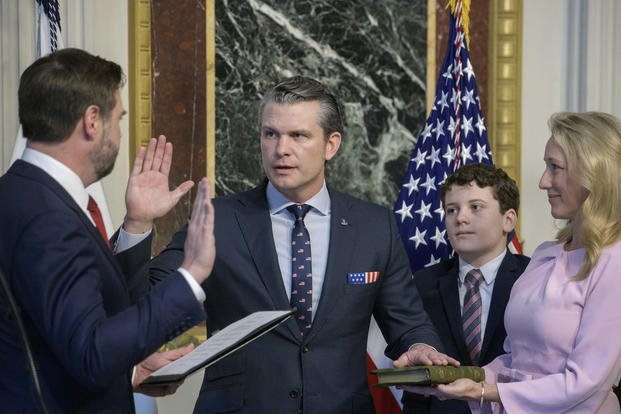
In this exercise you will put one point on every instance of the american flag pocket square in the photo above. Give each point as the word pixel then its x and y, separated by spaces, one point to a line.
pixel 362 278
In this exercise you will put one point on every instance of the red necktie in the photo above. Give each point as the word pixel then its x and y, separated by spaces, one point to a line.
pixel 97 218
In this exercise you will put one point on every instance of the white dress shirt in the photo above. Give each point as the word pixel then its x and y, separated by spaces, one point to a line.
pixel 317 222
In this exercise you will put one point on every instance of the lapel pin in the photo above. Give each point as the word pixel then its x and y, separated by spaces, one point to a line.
pixel 344 222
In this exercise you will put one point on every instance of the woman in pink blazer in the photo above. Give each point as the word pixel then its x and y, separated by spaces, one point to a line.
pixel 563 320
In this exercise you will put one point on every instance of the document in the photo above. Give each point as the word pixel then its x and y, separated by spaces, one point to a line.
pixel 219 345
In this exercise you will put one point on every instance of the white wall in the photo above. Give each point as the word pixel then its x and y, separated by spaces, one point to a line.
pixel 100 27
pixel 542 84
pixel 570 63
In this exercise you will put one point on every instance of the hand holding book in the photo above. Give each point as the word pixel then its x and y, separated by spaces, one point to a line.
pixel 443 382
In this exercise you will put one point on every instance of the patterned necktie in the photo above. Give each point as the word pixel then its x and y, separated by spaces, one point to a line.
pixel 97 218
pixel 471 315
pixel 301 269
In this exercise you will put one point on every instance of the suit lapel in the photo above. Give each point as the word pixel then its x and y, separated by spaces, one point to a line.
pixel 35 173
pixel 505 278
pixel 256 228
pixel 450 298
pixel 343 232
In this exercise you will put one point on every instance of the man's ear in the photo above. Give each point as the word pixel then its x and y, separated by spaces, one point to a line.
pixel 91 121
pixel 509 220
pixel 332 145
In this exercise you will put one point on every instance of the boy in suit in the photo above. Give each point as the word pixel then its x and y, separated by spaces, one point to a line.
pixel 466 296
pixel 268 240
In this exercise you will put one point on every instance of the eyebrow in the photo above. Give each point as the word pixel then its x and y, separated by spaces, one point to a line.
pixel 300 131
pixel 472 200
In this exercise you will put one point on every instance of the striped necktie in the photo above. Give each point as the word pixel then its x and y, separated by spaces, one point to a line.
pixel 471 315
pixel 301 269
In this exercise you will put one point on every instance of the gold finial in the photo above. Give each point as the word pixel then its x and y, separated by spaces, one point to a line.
pixel 463 14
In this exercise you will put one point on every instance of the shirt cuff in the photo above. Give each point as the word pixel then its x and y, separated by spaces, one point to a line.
pixel 126 240
pixel 133 375
pixel 196 288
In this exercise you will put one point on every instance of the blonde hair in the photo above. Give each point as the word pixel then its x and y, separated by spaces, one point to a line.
pixel 591 142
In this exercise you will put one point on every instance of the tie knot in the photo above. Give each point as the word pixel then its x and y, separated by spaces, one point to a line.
pixel 299 210
pixel 92 205
pixel 474 277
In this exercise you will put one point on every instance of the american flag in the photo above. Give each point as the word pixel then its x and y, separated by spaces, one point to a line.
pixel 453 135
pixel 362 278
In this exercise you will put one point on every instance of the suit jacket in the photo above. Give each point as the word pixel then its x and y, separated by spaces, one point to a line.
pixel 76 304
pixel 438 288
pixel 325 372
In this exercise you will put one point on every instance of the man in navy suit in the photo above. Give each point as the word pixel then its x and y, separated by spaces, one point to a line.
pixel 481 205
pixel 88 323
pixel 315 362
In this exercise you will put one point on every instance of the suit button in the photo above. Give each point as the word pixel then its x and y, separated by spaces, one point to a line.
pixel 294 394
pixel 305 349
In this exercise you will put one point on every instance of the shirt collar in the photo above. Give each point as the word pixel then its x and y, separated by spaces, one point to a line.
pixel 68 179
pixel 277 202
pixel 489 269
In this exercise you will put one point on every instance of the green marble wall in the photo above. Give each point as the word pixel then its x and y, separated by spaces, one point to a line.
pixel 371 53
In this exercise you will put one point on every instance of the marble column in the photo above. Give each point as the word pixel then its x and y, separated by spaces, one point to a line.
pixel 178 97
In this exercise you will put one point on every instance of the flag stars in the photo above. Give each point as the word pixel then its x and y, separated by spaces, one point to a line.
pixel 426 132
pixel 424 211
pixel 404 211
pixel 412 185
pixel 452 126
pixel 434 156
pixel 420 158
pixel 443 102
pixel 469 98
pixel 440 212
pixel 444 177
pixel 439 237
pixel 419 238
pixel 481 152
pixel 466 125
pixel 449 155
pixel 468 70
pixel 465 154
pixel 429 184
pixel 480 125
pixel 448 75
pixel 433 261
pixel 439 129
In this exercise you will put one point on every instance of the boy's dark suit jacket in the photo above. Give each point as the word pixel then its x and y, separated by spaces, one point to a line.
pixel 437 286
